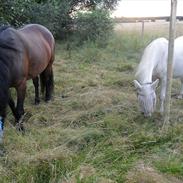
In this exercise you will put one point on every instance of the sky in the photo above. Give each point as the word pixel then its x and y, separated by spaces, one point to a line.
pixel 138 8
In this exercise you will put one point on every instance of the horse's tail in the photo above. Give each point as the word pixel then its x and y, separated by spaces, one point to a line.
pixel 51 81
pixel 43 83
pixel 47 82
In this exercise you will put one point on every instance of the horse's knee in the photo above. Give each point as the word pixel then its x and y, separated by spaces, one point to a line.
pixel 162 99
pixel 161 109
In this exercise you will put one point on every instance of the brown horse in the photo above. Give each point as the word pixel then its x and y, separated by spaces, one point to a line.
pixel 25 53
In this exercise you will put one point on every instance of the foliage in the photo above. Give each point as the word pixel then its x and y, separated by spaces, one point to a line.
pixel 56 15
pixel 89 4
pixel 94 26
pixel 14 12
pixel 44 14
pixel 63 19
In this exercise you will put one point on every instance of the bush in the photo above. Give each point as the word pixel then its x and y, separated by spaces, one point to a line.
pixel 44 14
pixel 94 26
pixel 58 17
pixel 63 20
pixel 14 12
pixel 53 16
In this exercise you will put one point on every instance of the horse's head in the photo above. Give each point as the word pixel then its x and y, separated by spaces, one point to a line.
pixel 146 96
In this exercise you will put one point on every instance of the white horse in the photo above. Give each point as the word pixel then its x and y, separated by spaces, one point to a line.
pixel 153 65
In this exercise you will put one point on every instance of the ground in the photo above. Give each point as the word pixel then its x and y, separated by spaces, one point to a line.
pixel 92 130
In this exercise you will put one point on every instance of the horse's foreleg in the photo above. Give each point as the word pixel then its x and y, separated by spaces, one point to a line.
pixel 12 105
pixel 21 90
pixel 36 86
pixel 162 95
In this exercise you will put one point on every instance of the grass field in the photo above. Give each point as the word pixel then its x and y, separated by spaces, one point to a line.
pixel 92 132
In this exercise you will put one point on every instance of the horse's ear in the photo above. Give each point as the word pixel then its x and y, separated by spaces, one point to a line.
pixel 155 84
pixel 137 84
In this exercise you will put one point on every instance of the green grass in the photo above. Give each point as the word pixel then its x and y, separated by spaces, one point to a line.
pixel 92 131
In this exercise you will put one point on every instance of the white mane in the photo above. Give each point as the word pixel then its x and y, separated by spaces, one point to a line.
pixel 153 54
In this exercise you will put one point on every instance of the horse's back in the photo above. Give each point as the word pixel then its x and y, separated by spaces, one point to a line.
pixel 34 30
pixel 39 43
pixel 157 44
pixel 152 60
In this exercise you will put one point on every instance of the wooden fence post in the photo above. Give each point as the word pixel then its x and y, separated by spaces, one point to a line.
pixel 172 28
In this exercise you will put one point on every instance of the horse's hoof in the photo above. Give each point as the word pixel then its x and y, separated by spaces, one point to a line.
pixel 47 100
pixel 179 97
pixel 20 128
pixel 1 137
pixel 2 150
pixel 37 102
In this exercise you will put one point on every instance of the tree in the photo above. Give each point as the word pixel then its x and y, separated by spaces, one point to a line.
pixel 76 5
pixel 57 15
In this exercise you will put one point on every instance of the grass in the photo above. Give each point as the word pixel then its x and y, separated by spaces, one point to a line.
pixel 92 132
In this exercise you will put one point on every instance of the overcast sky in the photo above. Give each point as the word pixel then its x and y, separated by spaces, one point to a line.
pixel 130 8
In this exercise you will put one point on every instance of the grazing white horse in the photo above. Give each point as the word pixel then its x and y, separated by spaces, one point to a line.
pixel 153 65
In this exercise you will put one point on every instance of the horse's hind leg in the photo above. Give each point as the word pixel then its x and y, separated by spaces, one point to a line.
pixel 180 96
pixel 162 94
pixel 36 86
pixel 47 82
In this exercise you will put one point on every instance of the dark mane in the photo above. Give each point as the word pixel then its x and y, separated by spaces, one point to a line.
pixel 4 27
pixel 7 38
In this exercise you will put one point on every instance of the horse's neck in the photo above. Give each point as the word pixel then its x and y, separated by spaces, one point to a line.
pixel 145 76
pixel 146 67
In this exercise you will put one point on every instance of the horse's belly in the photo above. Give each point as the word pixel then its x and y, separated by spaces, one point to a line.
pixel 36 68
